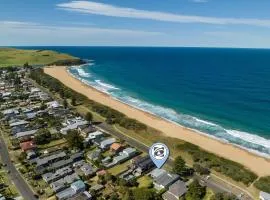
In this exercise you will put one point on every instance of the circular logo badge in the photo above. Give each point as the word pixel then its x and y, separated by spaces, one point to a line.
pixel 159 151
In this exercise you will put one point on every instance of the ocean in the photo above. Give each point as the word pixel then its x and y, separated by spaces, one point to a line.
pixel 224 93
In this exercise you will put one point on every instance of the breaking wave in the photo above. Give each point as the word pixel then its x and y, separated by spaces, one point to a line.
pixel 248 141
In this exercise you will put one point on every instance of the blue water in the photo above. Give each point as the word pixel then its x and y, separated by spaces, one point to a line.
pixel 224 93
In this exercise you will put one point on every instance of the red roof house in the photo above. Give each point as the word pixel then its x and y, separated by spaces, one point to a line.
pixel 29 145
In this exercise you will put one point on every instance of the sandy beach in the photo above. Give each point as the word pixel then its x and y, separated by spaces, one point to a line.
pixel 258 164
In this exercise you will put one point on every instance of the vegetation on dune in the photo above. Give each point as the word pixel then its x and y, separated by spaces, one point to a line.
pixel 21 57
pixel 227 167
pixel 263 184
pixel 221 196
pixel 205 159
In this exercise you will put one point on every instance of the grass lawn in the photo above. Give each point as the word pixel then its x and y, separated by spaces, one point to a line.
pixel 145 182
pixel 11 190
pixel 119 168
pixel 209 194
pixel 54 143
pixel 11 56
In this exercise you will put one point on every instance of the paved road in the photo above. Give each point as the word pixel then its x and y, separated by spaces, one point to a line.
pixel 216 187
pixel 14 175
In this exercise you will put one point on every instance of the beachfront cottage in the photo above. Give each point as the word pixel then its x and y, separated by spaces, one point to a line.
pixel 105 144
pixel 264 196
pixel 163 179
pixel 72 126
pixel 142 164
pixel 176 190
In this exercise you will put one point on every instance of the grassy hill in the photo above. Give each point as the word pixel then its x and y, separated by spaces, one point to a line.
pixel 18 57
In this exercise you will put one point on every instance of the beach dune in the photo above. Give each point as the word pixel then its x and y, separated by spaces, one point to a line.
pixel 258 164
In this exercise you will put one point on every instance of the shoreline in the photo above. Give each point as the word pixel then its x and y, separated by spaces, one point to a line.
pixel 260 165
pixel 257 153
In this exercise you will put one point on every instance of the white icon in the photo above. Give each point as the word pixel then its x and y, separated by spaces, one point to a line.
pixel 159 151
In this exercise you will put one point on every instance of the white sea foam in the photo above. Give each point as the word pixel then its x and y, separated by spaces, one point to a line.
pixel 106 85
pixel 248 141
pixel 82 73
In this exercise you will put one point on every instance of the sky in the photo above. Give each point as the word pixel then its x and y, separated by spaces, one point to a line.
pixel 184 23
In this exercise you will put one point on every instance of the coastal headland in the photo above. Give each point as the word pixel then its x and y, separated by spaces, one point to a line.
pixel 254 162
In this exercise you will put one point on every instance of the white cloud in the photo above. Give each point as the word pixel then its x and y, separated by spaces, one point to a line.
pixel 28 33
pixel 116 11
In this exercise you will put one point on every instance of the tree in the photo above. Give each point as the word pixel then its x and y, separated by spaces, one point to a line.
pixel 201 170
pixel 179 165
pixel 144 194
pixel 73 101
pixel 74 139
pixel 43 136
pixel 223 196
pixel 195 191
pixel 65 103
pixel 89 116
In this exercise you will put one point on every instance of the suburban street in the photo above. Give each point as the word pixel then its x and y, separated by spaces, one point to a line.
pixel 216 187
pixel 14 175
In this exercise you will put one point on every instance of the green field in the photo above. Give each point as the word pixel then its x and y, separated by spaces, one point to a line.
pixel 18 57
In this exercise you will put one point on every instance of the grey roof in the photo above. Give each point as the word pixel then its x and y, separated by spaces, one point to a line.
pixel 166 179
pixel 120 158
pixel 94 155
pixel 18 123
pixel 175 191
pixel 48 177
pixel 264 195
pixel 26 133
pixel 157 172
pixel 107 142
pixel 73 126
pixel 63 182
pixel 129 151
pixel 88 169
pixel 45 160
pixel 65 194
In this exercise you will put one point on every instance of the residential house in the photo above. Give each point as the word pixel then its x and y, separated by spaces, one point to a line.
pixel 176 190
pixel 83 196
pixel 60 173
pixel 88 170
pixel 156 173
pixel 95 135
pixel 94 155
pixel 74 189
pixel 116 147
pixel 264 196
pixel 17 123
pixel 29 145
pixel 165 180
pixel 142 164
pixel 73 126
pixel 64 182
pixel 26 133
pixel 105 144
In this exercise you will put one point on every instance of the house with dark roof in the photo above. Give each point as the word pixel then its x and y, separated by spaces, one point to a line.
pixel 143 164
